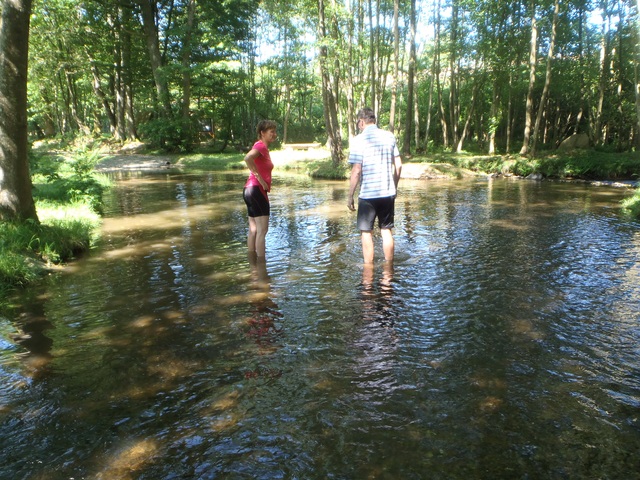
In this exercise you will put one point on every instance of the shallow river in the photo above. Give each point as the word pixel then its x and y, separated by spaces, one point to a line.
pixel 503 343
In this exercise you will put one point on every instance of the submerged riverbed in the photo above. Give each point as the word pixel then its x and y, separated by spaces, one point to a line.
pixel 503 343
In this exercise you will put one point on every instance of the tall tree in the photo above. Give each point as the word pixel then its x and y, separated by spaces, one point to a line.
pixel 596 133
pixel 187 49
pixel 547 81
pixel 396 69
pixel 408 130
pixel 533 57
pixel 636 72
pixel 329 85
pixel 150 28
pixel 454 111
pixel 16 199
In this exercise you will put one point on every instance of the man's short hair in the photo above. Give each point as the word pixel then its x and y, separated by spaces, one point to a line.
pixel 367 114
pixel 265 125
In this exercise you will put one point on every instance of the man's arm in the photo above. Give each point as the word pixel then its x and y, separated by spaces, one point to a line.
pixel 397 169
pixel 356 171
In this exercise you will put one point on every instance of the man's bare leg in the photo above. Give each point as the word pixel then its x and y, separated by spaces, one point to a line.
pixel 367 245
pixel 388 245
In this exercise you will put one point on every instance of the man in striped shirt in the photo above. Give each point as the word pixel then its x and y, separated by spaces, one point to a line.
pixel 376 165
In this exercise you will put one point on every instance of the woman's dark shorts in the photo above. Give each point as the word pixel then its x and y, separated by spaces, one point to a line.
pixel 382 208
pixel 257 204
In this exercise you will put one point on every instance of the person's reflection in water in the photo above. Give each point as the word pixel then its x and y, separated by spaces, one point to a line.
pixel 378 304
pixel 264 315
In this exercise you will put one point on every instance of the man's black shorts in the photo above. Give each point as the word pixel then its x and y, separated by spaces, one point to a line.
pixel 257 203
pixel 382 208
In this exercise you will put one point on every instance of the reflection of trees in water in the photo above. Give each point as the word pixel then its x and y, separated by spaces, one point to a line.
pixel 31 327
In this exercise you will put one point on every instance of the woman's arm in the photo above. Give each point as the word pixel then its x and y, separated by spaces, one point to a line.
pixel 250 160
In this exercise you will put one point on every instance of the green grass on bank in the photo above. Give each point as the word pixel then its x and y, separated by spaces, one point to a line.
pixel 208 162
pixel 583 164
pixel 68 196
pixel 631 205
pixel 580 164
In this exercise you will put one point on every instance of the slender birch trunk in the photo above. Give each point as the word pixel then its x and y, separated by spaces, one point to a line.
pixel 547 80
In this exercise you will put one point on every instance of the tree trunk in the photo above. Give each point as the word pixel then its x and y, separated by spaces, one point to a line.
pixel 16 199
pixel 416 119
pixel 119 91
pixel 581 59
pixel 408 131
pixel 532 80
pixel 329 100
pixel 351 73
pixel 186 60
pixel 443 117
pixel 73 103
pixel 153 46
pixel 372 59
pixel 453 83
pixel 436 27
pixel 494 120
pixel 547 80
pixel 97 89
pixel 596 122
pixel 396 61
pixel 129 117
pixel 507 149
pixel 469 117
pixel 636 73
pixel 349 76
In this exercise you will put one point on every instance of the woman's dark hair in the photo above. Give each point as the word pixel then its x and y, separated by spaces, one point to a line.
pixel 265 125
pixel 367 114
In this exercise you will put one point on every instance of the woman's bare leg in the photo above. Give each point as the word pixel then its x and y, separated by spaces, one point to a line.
pixel 262 227
pixel 251 236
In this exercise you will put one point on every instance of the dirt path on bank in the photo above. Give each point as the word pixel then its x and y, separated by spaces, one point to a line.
pixel 133 161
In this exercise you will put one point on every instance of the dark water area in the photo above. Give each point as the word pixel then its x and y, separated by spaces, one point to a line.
pixel 503 343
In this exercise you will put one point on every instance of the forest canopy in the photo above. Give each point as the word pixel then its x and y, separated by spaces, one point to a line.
pixel 487 75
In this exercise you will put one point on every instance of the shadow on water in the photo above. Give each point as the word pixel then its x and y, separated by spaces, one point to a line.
pixel 503 342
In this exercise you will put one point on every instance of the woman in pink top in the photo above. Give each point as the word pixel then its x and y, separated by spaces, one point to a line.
pixel 257 186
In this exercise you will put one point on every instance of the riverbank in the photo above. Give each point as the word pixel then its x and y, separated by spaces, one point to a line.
pixel 36 247
pixel 625 169
pixel 281 159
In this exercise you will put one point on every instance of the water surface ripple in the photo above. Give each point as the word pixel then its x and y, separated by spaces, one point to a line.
pixel 503 343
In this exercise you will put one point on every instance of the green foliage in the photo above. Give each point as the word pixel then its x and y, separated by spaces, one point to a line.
pixel 68 180
pixel 171 135
pixel 68 195
pixel 589 164
pixel 222 161
pixel 631 205
pixel 17 260
pixel 592 164
pixel 324 169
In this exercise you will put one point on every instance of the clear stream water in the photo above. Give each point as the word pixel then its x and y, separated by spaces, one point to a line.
pixel 503 343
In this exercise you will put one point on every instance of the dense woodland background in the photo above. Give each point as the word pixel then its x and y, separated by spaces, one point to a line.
pixel 498 77
pixel 488 75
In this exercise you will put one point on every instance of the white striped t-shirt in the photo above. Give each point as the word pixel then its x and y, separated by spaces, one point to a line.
pixel 376 150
